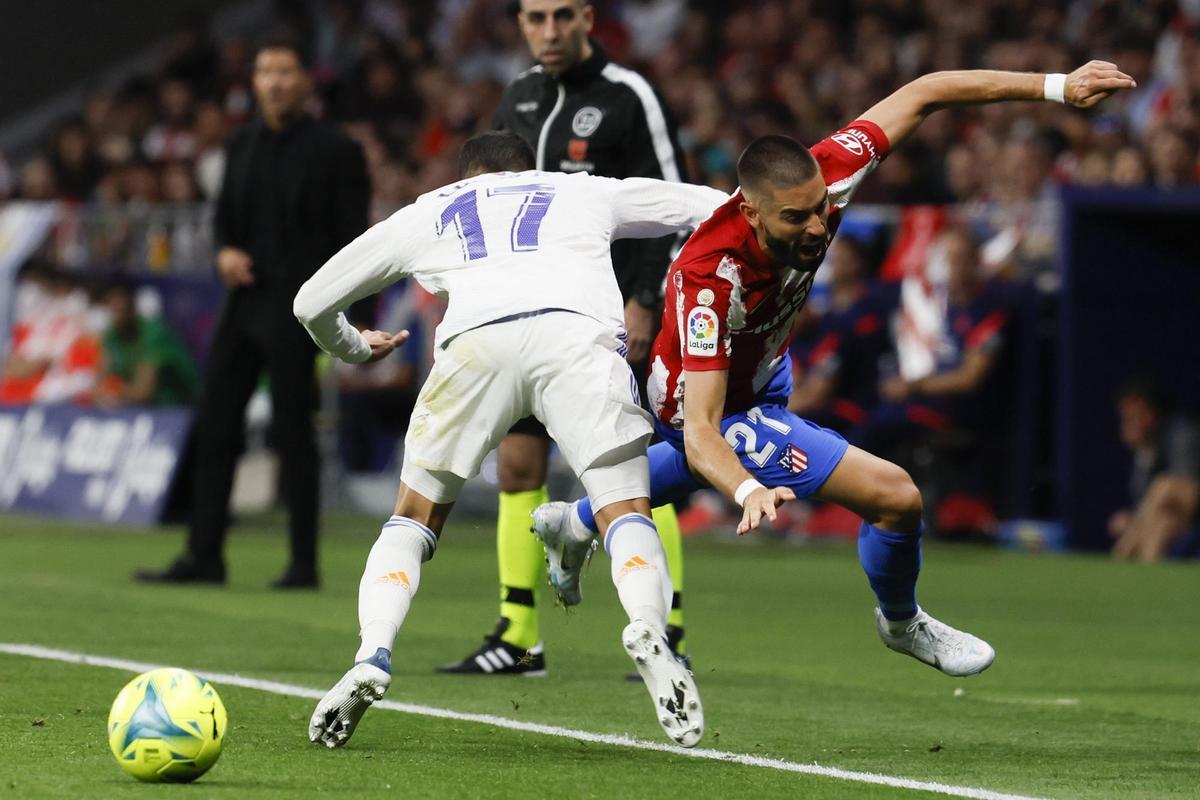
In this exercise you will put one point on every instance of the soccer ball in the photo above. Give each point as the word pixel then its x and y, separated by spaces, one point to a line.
pixel 166 725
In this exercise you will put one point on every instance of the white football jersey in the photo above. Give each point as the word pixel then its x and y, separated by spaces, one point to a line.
pixel 500 245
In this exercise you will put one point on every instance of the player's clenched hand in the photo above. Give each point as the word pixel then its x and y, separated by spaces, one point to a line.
pixel 762 503
pixel 1093 82
pixel 383 343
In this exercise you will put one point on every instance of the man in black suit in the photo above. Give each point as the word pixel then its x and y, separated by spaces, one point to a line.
pixel 295 190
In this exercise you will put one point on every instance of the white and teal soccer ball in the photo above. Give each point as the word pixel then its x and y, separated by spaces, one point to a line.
pixel 167 725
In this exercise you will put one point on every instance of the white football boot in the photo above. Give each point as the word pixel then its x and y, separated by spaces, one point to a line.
pixel 954 652
pixel 670 683
pixel 569 546
pixel 339 711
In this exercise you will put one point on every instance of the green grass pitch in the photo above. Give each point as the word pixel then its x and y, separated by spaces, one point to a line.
pixel 1094 692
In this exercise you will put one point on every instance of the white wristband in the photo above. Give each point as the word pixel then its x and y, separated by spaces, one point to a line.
pixel 744 489
pixel 1056 82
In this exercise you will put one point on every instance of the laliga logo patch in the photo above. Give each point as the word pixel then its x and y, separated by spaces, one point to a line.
pixel 700 326
pixel 850 142
pixel 702 332
pixel 586 120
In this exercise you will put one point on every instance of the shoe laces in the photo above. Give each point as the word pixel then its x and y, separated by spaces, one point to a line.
pixel 937 634
pixel 587 556
pixel 491 640
pixel 591 551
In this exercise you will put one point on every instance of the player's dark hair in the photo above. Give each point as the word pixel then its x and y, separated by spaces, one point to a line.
pixel 495 151
pixel 777 160
pixel 285 39
pixel 513 7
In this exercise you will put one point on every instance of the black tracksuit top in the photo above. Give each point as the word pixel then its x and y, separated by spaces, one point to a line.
pixel 605 119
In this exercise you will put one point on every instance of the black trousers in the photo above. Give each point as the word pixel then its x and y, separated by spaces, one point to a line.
pixel 245 345
pixel 366 416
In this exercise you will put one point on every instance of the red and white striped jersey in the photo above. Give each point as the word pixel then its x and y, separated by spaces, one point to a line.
pixel 728 305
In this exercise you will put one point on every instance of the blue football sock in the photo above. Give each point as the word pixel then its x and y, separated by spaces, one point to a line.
pixel 583 507
pixel 670 481
pixel 892 562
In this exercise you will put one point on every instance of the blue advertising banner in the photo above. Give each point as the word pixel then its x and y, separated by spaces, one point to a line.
pixel 109 466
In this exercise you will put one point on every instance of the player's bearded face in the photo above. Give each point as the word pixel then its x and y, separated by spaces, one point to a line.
pixel 801 252
pixel 792 223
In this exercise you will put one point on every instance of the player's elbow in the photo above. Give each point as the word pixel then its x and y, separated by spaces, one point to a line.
pixel 305 306
pixel 698 433
pixel 928 92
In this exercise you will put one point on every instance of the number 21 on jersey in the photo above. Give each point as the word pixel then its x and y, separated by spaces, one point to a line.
pixel 741 435
pixel 462 214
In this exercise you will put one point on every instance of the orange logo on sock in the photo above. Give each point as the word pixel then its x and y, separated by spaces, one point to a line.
pixel 634 564
pixel 398 578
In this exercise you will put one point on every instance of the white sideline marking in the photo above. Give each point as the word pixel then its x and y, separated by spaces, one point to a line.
pixel 1022 701
pixel 1034 701
pixel 290 690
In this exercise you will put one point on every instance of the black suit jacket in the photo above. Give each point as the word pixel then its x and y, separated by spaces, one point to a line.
pixel 325 192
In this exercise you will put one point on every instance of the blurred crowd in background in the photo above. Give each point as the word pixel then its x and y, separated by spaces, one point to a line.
pixel 410 81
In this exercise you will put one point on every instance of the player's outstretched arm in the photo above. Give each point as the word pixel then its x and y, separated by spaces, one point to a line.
pixel 371 262
pixel 899 114
pixel 710 457
pixel 647 208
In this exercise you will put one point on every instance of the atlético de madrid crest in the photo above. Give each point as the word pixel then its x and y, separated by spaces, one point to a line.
pixel 586 120
pixel 794 459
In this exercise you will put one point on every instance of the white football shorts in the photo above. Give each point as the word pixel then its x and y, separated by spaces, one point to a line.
pixel 561 367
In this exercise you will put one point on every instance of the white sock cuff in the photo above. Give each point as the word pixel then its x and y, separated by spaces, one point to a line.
pixel 405 529
pixel 622 521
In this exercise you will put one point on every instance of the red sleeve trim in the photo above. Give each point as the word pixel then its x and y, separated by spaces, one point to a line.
pixel 876 133
pixel 988 327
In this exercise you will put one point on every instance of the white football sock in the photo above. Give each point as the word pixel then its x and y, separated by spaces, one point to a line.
pixel 639 569
pixel 390 581
pixel 899 626
pixel 575 527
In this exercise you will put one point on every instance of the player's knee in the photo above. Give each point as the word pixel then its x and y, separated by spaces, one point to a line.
pixel 522 462
pixel 520 474
pixel 899 500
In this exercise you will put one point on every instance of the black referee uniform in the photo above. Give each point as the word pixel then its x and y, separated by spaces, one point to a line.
pixel 605 119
